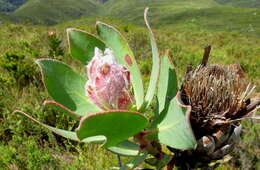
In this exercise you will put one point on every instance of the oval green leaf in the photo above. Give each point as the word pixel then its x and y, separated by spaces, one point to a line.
pixel 173 126
pixel 167 84
pixel 124 56
pixel 125 148
pixel 116 126
pixel 66 86
pixel 64 133
pixel 82 44
pixel 136 161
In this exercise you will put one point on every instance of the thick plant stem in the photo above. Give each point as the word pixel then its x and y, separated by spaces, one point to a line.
pixel 152 147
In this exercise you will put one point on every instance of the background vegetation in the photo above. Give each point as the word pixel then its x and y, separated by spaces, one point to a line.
pixel 10 5
pixel 184 28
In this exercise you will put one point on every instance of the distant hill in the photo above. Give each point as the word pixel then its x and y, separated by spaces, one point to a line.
pixel 54 11
pixel 240 3
pixel 214 15
pixel 10 5
pixel 102 1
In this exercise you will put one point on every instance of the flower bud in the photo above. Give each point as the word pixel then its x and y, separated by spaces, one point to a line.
pixel 109 82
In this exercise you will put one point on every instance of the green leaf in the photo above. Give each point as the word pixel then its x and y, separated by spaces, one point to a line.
pixel 159 163
pixel 125 56
pixel 167 84
pixel 125 148
pixel 156 64
pixel 173 126
pixel 66 87
pixel 64 108
pixel 136 161
pixel 116 126
pixel 82 44
pixel 64 133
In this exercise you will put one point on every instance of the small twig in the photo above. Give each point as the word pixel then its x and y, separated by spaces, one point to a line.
pixel 252 106
pixel 206 55
pixel 188 69
pixel 249 108
pixel 119 161
pixel 171 164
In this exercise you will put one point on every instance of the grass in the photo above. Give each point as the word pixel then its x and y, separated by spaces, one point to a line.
pixel 26 145
pixel 241 20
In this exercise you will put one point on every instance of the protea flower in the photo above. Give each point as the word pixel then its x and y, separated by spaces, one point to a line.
pixel 109 82
pixel 219 97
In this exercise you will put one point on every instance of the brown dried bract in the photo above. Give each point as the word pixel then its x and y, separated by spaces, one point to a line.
pixel 217 94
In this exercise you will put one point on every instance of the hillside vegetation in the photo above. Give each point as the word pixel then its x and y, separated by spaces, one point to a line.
pixel 52 12
pixel 188 14
pixel 199 14
pixel 133 10
pixel 216 19
pixel 241 3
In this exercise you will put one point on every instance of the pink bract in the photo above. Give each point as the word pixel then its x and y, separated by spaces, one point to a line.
pixel 109 82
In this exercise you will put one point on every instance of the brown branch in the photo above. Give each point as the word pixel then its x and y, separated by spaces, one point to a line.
pixel 253 105
pixel 206 55
pixel 240 115
pixel 152 147
pixel 188 69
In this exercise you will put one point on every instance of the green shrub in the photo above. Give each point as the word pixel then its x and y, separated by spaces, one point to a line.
pixel 21 70
pixel 54 43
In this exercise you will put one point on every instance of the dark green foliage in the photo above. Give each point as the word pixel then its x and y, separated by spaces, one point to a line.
pixel 5 7
pixel 241 3
pixel 10 5
pixel 19 68
pixel 102 1
pixel 16 2
pixel 55 45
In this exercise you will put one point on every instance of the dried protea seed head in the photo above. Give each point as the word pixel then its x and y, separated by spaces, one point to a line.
pixel 109 82
pixel 219 97
pixel 217 94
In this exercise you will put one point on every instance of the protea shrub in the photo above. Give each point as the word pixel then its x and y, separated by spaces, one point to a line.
pixel 199 123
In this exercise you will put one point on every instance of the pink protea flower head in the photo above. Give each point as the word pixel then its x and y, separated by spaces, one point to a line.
pixel 108 84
